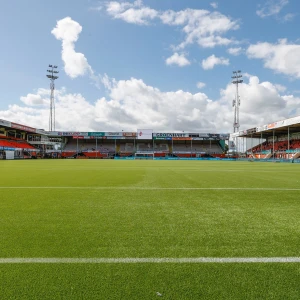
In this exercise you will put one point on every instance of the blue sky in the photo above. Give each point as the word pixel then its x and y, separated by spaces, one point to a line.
pixel 165 65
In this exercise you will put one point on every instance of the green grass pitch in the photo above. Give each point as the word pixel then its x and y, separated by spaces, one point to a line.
pixel 149 209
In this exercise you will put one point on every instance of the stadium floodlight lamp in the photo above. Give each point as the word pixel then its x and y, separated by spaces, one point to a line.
pixel 239 71
pixel 51 74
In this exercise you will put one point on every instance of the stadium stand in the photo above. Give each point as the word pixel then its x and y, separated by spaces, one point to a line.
pixel 87 148
pixel 144 147
pixel 15 143
pixel 71 145
pixel 278 146
pixel 214 148
pixel 90 145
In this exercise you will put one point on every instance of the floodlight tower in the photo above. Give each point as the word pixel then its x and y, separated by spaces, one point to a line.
pixel 237 101
pixel 52 75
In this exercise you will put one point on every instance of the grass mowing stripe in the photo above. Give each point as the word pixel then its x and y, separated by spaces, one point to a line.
pixel 154 260
pixel 150 188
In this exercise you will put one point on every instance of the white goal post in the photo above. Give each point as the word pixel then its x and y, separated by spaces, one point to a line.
pixel 144 155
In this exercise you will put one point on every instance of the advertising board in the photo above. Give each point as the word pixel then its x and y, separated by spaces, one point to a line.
pixel 96 134
pixel 22 127
pixel 181 138
pixel 78 137
pixel 144 134
pixel 165 135
pixel 72 133
pixel 129 134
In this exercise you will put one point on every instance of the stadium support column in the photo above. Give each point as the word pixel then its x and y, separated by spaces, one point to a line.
pixel 77 147
pixel 52 75
pixel 153 145
pixel 273 144
pixel 96 148
pixel 288 141
pixel 252 146
pixel 260 144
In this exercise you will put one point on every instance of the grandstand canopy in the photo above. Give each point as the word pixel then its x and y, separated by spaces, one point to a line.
pixel 278 128
pixel 139 134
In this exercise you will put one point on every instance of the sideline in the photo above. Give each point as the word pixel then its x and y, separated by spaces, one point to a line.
pixel 151 188
pixel 132 260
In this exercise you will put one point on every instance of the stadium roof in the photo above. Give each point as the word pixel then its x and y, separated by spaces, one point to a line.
pixel 291 125
pixel 139 133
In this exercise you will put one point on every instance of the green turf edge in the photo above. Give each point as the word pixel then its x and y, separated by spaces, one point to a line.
pixel 143 281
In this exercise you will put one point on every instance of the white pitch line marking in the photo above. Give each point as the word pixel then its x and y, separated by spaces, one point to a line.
pixel 132 260
pixel 151 188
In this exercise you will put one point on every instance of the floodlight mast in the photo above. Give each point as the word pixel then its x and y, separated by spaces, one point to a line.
pixel 237 101
pixel 52 75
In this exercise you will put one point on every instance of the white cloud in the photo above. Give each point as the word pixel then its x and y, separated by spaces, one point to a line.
pixel 72 111
pixel 132 104
pixel 288 17
pixel 96 8
pixel 75 63
pixel 134 12
pixel 282 57
pixel 33 99
pixel 280 87
pixel 201 85
pixel 113 8
pixel 261 103
pixel 178 59
pixel 271 7
pixel 199 26
pixel 214 5
pixel 235 51
pixel 212 61
pixel 41 97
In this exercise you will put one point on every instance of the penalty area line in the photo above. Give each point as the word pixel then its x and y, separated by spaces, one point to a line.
pixel 136 260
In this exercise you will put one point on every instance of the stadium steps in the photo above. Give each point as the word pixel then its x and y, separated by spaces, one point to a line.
pixel 296 155
pixel 269 155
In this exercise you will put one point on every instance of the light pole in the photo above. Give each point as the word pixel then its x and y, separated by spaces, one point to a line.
pixel 52 76
pixel 236 103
